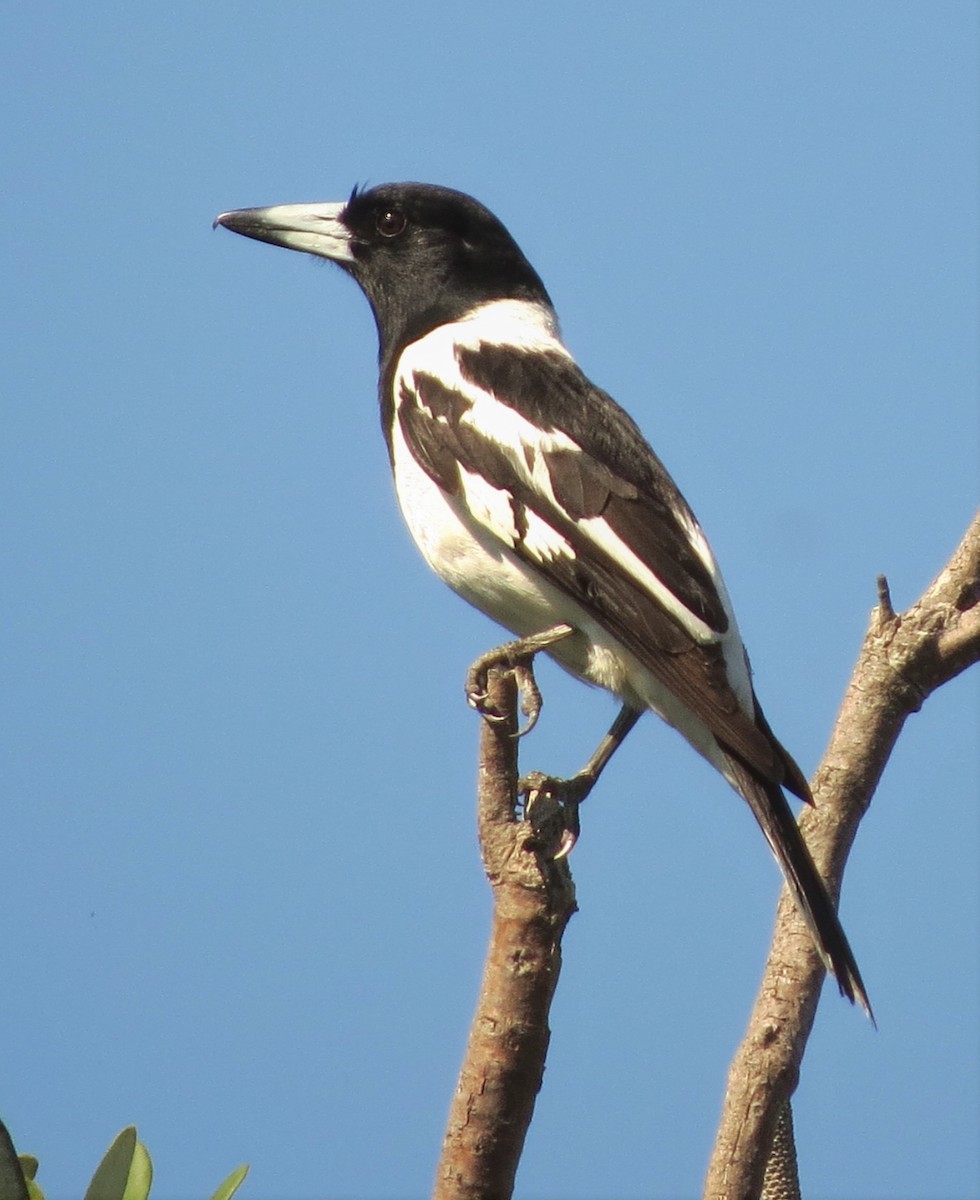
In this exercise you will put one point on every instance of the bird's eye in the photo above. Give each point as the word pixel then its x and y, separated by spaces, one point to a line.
pixel 391 222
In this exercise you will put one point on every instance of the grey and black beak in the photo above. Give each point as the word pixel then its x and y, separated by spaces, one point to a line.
pixel 313 228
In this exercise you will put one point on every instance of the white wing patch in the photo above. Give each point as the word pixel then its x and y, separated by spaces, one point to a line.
pixel 493 509
pixel 542 542
pixel 603 536
pixel 505 426
pixel 532 327
pixel 490 506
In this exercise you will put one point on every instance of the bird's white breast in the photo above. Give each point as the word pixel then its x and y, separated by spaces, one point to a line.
pixel 455 539
pixel 468 538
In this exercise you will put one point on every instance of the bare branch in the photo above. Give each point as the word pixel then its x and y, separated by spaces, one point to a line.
pixel 904 658
pixel 533 899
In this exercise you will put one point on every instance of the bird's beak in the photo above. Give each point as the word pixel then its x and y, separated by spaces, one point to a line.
pixel 313 228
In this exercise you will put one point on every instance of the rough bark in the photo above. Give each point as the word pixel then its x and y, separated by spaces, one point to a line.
pixel 533 898
pixel 904 658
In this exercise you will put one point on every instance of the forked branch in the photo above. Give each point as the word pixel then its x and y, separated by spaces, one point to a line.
pixel 905 657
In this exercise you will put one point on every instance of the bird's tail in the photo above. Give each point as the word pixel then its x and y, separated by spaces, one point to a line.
pixel 771 809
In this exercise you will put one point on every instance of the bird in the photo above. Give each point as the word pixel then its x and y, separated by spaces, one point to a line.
pixel 536 497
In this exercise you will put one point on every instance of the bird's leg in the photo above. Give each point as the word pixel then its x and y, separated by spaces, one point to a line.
pixel 550 801
pixel 517 656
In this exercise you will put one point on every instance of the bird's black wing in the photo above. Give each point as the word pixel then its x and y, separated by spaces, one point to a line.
pixel 607 525
pixel 589 506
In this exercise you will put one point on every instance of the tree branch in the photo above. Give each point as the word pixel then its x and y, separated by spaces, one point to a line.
pixel 904 658
pixel 533 899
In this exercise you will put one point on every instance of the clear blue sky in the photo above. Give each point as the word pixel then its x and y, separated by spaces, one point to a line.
pixel 242 904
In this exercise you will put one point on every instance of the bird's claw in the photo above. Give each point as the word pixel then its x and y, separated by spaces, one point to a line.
pixel 477 698
pixel 550 804
pixel 552 807
pixel 530 693
pixel 518 657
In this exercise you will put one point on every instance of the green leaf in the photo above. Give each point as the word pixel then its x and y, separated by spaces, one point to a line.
pixel 125 1173
pixel 140 1175
pixel 231 1184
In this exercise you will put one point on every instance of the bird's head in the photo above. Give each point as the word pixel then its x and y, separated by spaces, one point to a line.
pixel 423 255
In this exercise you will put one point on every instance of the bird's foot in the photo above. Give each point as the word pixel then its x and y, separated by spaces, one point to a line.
pixel 518 657
pixel 551 806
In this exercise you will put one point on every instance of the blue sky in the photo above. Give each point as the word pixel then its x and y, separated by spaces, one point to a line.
pixel 242 901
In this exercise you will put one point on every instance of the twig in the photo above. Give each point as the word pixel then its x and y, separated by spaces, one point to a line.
pixel 905 657
pixel 533 899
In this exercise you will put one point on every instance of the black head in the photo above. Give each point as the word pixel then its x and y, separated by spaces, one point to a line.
pixel 423 255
